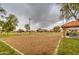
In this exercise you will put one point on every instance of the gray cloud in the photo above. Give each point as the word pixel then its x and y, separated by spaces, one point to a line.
pixel 44 14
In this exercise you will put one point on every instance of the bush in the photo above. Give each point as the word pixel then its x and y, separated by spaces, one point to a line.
pixel 20 30
pixel 56 29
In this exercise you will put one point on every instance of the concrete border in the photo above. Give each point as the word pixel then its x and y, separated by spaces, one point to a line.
pixel 12 47
pixel 56 50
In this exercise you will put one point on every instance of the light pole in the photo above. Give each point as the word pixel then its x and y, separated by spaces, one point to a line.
pixel 29 25
pixel 64 30
pixel 63 22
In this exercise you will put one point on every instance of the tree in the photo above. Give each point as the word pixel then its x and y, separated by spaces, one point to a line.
pixel 70 10
pixel 20 30
pixel 2 11
pixel 42 30
pixel 1 23
pixel 2 14
pixel 10 24
pixel 39 30
pixel 56 29
pixel 27 27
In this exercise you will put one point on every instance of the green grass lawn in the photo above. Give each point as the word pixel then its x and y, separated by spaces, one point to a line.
pixel 78 33
pixel 11 34
pixel 69 46
pixel 6 50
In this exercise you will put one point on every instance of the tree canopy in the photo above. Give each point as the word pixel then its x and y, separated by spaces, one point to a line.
pixel 70 10
pixel 56 29
pixel 27 27
pixel 10 24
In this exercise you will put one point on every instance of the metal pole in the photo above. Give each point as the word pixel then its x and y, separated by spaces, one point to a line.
pixel 64 28
pixel 29 25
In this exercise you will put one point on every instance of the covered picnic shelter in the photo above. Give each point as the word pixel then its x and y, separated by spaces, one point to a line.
pixel 70 29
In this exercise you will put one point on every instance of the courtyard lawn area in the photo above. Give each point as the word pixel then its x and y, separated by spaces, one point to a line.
pixel 35 43
pixel 69 46
pixel 6 50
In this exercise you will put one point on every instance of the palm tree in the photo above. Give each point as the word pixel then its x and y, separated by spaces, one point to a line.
pixel 70 10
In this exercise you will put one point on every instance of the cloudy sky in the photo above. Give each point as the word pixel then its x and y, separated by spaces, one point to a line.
pixel 42 15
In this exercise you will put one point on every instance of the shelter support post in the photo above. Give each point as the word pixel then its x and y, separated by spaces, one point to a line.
pixel 64 32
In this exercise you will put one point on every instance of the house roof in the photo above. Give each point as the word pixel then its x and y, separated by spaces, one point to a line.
pixel 71 24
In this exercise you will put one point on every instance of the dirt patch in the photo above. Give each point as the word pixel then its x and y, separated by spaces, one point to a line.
pixel 34 44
